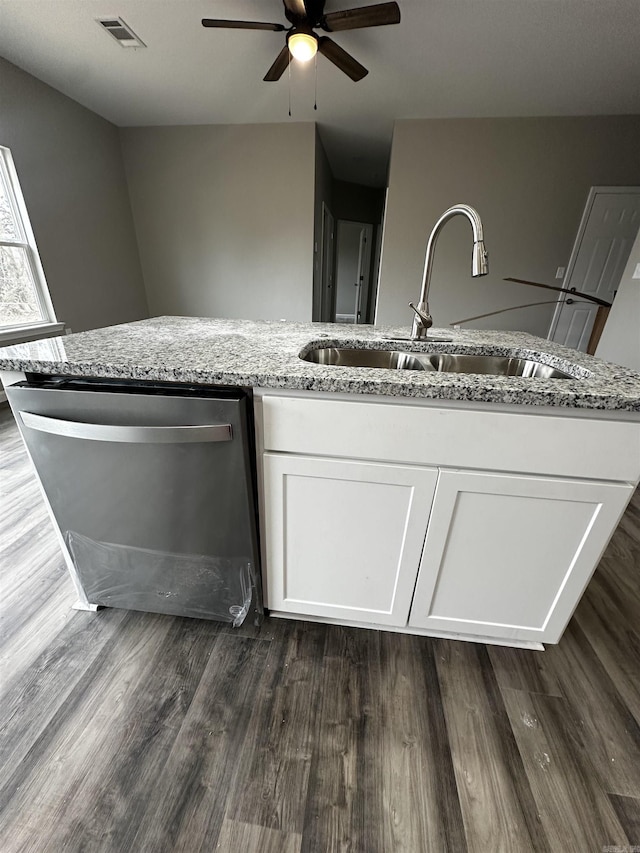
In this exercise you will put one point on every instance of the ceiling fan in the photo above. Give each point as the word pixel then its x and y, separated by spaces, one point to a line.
pixel 305 16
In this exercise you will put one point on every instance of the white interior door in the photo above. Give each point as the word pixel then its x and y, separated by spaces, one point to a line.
pixel 607 231
pixel 353 265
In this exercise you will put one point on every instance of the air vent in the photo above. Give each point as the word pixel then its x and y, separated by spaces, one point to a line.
pixel 121 32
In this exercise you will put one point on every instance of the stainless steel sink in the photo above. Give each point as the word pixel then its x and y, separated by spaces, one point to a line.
pixel 389 359
pixel 492 365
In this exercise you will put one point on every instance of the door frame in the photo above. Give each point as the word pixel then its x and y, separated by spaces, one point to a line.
pixel 365 260
pixel 586 213
pixel 377 263
pixel 327 265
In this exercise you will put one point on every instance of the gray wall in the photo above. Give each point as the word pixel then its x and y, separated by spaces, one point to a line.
pixel 70 168
pixel 529 180
pixel 224 216
pixel 620 341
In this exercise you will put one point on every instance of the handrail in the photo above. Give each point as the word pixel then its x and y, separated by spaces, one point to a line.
pixel 570 291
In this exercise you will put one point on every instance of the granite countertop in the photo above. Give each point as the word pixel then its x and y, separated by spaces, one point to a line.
pixel 266 354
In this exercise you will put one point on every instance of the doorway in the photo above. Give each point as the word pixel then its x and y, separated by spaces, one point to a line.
pixel 354 244
pixel 606 234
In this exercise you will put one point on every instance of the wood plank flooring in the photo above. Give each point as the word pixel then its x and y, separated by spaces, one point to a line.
pixel 131 732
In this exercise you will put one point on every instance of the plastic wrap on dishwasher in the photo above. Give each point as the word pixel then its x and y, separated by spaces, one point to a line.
pixel 201 586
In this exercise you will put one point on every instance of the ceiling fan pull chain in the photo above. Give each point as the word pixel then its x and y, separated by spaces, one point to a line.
pixel 289 66
pixel 315 93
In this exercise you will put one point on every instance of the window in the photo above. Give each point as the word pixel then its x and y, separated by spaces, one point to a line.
pixel 24 297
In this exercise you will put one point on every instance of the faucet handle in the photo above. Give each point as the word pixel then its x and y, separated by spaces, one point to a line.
pixel 424 316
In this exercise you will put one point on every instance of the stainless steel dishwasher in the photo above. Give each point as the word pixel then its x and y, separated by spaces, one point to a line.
pixel 151 486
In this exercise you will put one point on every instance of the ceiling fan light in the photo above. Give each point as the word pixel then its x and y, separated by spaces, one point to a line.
pixel 303 46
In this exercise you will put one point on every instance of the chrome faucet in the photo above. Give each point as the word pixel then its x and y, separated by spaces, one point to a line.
pixel 479 265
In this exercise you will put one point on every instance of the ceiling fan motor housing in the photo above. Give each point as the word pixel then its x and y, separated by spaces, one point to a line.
pixel 302 29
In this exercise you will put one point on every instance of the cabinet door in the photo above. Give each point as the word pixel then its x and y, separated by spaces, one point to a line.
pixel 343 539
pixel 509 556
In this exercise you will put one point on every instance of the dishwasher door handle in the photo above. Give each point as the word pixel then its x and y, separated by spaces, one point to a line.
pixel 129 434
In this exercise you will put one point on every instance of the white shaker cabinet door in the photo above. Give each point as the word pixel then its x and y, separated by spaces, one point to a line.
pixel 508 556
pixel 343 538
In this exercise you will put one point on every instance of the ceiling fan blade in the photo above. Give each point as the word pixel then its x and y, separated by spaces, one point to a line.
pixel 366 16
pixel 309 12
pixel 340 58
pixel 277 69
pixel 296 8
pixel 314 10
pixel 242 25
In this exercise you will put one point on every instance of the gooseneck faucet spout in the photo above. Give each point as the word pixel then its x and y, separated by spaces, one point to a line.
pixel 479 264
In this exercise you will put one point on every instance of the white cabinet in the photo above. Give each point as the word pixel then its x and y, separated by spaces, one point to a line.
pixel 508 556
pixel 344 538
pixel 437 520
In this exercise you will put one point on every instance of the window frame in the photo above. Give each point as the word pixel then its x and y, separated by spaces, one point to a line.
pixel 9 177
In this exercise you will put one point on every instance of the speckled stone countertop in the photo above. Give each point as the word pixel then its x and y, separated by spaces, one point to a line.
pixel 266 354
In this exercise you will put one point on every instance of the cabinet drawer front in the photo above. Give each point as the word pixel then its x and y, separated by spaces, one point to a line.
pixel 510 556
pixel 432 435
pixel 343 539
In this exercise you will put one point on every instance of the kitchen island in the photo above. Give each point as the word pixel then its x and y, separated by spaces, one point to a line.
pixel 451 504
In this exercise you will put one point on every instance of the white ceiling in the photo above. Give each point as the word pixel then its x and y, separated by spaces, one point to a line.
pixel 447 58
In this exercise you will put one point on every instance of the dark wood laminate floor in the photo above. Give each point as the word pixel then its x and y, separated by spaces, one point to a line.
pixel 123 731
